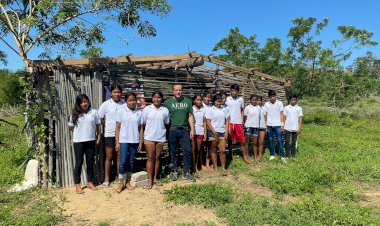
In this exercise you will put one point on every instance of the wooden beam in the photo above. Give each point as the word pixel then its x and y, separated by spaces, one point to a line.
pixel 184 63
pixel 105 61
pixel 271 77
pixel 243 69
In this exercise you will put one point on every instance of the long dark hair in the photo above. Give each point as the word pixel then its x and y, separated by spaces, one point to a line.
pixel 77 111
pixel 195 97
pixel 116 86
pixel 216 97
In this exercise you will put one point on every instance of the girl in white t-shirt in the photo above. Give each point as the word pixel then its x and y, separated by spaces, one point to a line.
pixel 128 137
pixel 155 120
pixel 107 113
pixel 199 113
pixel 218 122
pixel 252 124
pixel 85 123
pixel 207 99
pixel 261 129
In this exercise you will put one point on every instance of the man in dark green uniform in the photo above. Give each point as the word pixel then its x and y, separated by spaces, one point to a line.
pixel 181 117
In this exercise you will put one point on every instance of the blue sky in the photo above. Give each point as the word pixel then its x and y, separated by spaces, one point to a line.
pixel 198 25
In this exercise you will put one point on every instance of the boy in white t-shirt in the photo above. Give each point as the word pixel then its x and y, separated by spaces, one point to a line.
pixel 273 118
pixel 235 105
pixel 293 122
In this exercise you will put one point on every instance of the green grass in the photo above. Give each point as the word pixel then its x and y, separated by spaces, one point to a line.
pixel 257 210
pixel 338 157
pixel 14 152
pixel 330 158
pixel 208 195
pixel 31 207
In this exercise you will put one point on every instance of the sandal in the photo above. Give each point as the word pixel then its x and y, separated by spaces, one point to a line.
pixel 158 183
pixel 120 188
pixel 79 191
pixel 92 187
pixel 148 187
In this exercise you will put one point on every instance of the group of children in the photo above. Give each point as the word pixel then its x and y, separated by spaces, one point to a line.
pixel 218 122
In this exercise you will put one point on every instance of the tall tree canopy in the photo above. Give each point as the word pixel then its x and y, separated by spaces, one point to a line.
pixel 315 70
pixel 66 24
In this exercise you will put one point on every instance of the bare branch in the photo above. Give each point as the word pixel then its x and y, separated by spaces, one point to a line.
pixel 8 20
pixel 25 33
pixel 6 43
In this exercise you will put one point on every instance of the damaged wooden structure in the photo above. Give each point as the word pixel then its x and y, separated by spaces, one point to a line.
pixel 58 82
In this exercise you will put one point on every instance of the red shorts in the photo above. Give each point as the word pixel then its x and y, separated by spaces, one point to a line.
pixel 199 137
pixel 236 132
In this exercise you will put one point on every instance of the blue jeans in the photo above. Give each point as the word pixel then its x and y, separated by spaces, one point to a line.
pixel 182 137
pixel 275 130
pixel 127 157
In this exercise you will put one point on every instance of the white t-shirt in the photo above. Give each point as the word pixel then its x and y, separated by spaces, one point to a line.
pixel 155 121
pixel 206 107
pixel 262 120
pixel 218 117
pixel 130 122
pixel 85 130
pixel 199 117
pixel 292 113
pixel 253 116
pixel 108 110
pixel 235 107
pixel 226 109
pixel 273 112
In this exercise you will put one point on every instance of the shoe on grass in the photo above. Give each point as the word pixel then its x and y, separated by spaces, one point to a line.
pixel 271 157
pixel 174 176
pixel 283 159
pixel 188 176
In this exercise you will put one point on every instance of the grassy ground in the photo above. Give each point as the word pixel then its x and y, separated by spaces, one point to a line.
pixel 325 185
pixel 32 207
pixel 338 158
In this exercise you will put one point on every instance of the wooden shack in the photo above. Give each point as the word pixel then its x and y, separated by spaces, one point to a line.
pixel 59 81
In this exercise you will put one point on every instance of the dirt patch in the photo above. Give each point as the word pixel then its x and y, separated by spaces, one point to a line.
pixel 244 184
pixel 372 197
pixel 137 207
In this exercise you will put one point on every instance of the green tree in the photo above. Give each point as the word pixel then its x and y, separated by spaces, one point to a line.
pixel 238 49
pixel 305 55
pixel 66 24
pixel 313 69
pixel 10 88
pixel 3 57
pixel 271 58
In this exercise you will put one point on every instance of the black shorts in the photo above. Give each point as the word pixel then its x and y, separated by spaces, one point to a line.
pixel 109 142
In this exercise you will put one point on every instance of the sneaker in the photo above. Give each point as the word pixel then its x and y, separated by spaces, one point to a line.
pixel 271 157
pixel 188 176
pixel 283 159
pixel 106 184
pixel 174 176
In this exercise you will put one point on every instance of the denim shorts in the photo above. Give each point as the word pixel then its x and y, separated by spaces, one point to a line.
pixel 109 142
pixel 212 137
pixel 252 131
